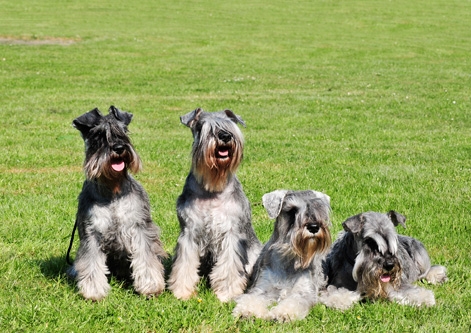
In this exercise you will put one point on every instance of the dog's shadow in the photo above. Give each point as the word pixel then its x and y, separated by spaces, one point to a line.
pixel 56 267
pixel 53 267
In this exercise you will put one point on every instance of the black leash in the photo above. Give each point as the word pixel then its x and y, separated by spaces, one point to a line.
pixel 67 258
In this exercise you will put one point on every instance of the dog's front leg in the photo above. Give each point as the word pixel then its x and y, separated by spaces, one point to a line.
pixel 91 270
pixel 147 269
pixel 297 297
pixel 228 277
pixel 412 295
pixel 186 262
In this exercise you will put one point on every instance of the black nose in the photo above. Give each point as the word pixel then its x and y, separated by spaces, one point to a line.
pixel 388 264
pixel 224 136
pixel 118 149
pixel 313 228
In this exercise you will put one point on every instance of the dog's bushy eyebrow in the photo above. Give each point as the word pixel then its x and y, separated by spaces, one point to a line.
pixel 380 241
pixel 392 241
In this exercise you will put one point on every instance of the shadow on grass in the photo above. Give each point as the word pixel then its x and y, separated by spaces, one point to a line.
pixel 56 267
pixel 53 267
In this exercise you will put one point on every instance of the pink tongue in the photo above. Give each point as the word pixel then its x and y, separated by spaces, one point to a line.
pixel 223 153
pixel 385 278
pixel 118 166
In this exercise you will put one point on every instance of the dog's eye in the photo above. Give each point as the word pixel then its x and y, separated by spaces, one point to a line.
pixel 292 214
pixel 371 244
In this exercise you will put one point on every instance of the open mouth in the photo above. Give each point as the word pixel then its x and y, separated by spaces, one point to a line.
pixel 118 165
pixel 222 152
pixel 385 278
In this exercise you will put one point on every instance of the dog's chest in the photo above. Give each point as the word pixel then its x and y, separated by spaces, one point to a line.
pixel 217 215
pixel 118 216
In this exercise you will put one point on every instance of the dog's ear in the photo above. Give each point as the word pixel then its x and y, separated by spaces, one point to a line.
pixel 124 117
pixel 273 201
pixel 87 121
pixel 397 218
pixel 235 118
pixel 324 197
pixel 354 224
pixel 191 118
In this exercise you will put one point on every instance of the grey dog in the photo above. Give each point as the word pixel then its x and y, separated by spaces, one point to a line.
pixel 116 231
pixel 216 238
pixel 370 260
pixel 288 275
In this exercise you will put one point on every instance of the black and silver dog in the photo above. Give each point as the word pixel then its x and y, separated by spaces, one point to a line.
pixel 288 275
pixel 116 231
pixel 216 234
pixel 372 260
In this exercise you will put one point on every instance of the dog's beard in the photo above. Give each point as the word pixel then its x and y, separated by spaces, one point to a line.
pixel 109 167
pixel 305 245
pixel 214 163
pixel 373 281
pixel 302 246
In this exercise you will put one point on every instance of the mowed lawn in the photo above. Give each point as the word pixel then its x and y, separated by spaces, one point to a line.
pixel 367 101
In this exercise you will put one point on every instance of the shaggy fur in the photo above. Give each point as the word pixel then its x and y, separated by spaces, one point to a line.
pixel 217 239
pixel 288 274
pixel 116 231
pixel 370 260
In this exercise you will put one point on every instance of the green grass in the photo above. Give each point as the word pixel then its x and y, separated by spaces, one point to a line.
pixel 368 101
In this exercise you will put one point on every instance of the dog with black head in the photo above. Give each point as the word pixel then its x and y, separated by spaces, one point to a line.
pixel 117 234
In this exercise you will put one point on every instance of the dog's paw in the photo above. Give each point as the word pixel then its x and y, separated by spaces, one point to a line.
pixel 183 294
pixel 94 290
pixel 150 284
pixel 413 296
pixel 340 299
pixel 289 310
pixel 436 275
pixel 225 296
pixel 150 291
pixel 251 306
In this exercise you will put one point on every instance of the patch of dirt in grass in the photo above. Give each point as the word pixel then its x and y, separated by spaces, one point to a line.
pixel 45 170
pixel 12 40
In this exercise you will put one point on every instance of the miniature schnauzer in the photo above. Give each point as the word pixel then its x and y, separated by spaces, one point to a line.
pixel 217 239
pixel 116 231
pixel 289 269
pixel 370 260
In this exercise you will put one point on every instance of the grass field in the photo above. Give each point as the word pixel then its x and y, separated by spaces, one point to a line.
pixel 368 101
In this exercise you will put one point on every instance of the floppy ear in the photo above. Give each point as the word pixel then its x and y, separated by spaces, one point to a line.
pixel 191 118
pixel 87 121
pixel 235 118
pixel 354 224
pixel 273 201
pixel 124 117
pixel 324 197
pixel 397 218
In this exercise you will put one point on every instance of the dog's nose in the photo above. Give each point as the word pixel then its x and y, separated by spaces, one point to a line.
pixel 388 264
pixel 118 149
pixel 224 136
pixel 313 228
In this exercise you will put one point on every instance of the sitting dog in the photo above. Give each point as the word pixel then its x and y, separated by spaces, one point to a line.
pixel 116 231
pixel 288 273
pixel 216 238
pixel 370 260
